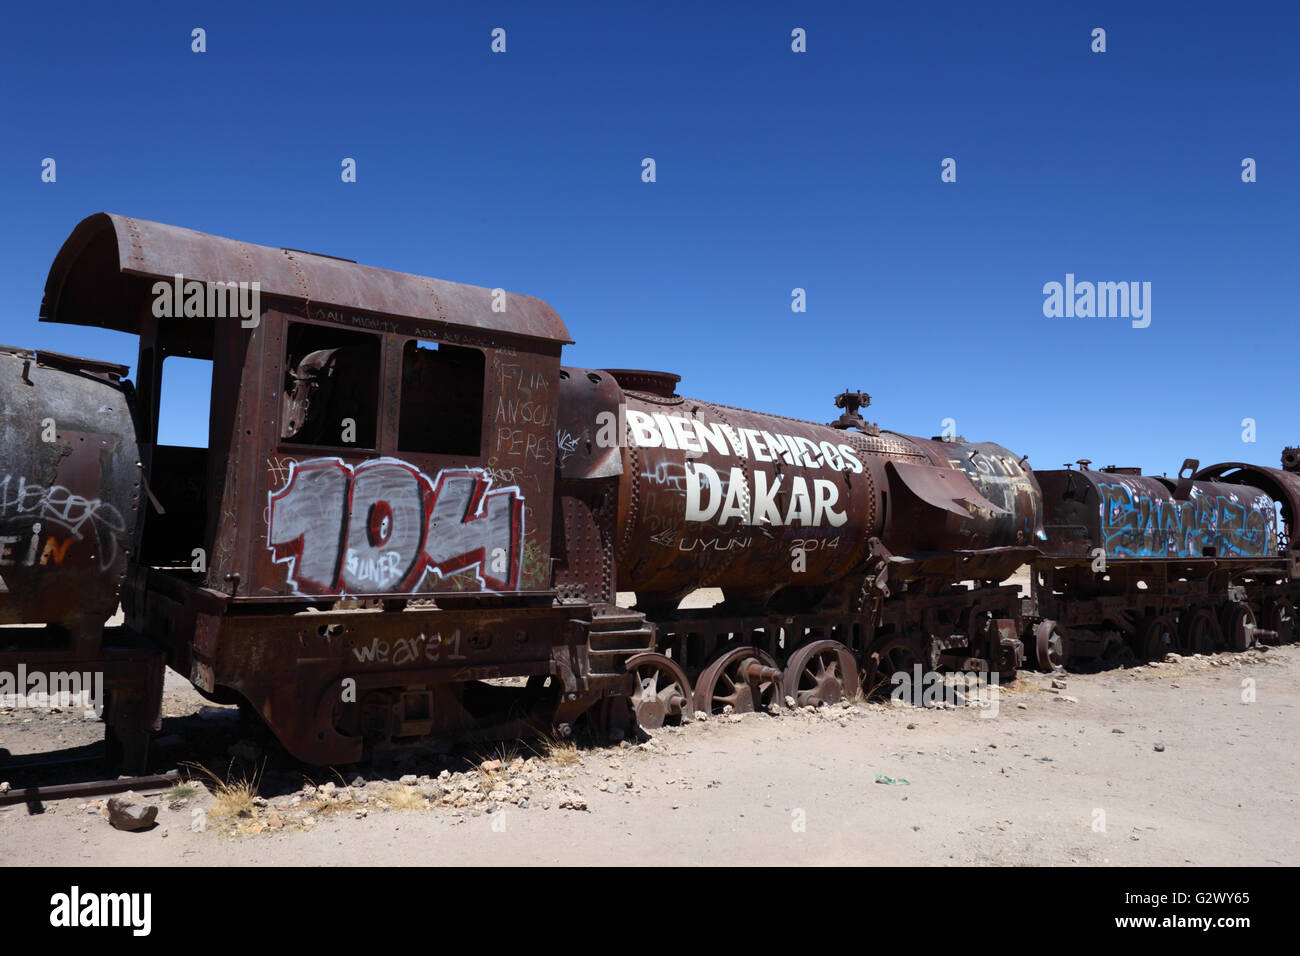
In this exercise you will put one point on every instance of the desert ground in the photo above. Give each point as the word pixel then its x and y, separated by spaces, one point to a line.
pixel 1186 762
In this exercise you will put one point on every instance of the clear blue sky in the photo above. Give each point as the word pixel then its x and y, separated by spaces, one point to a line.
pixel 775 170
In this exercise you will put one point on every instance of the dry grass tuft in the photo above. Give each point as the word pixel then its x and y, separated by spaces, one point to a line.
pixel 401 797
pixel 232 798
pixel 562 752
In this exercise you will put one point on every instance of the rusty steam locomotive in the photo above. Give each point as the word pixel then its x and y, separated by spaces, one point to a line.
pixel 411 522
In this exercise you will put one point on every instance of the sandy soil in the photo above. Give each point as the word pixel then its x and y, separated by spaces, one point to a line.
pixel 1060 776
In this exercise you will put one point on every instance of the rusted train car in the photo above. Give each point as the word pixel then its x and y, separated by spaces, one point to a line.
pixel 366 538
pixel 411 523
pixel 1136 566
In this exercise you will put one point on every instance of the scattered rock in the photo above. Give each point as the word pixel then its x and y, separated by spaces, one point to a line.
pixel 1058 683
pixel 126 815
pixel 408 780
pixel 1160 748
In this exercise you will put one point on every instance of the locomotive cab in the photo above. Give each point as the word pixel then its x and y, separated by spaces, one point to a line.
pixel 360 552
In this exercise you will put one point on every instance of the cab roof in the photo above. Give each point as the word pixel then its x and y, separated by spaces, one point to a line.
pixel 93 281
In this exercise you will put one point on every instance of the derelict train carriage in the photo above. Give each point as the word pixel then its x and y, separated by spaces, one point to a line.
pixel 374 504
pixel 410 522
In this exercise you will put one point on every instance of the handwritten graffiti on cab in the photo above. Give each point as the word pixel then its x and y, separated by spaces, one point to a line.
pixel 382 525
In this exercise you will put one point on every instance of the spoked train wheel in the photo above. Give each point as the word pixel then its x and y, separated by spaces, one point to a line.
pixel 663 694
pixel 1160 637
pixel 742 678
pixel 822 672
pixel 898 655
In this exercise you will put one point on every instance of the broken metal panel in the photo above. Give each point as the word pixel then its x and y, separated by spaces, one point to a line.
pixel 944 488
pixel 1001 480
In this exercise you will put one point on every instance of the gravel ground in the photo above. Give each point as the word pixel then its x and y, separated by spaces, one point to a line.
pixel 1176 763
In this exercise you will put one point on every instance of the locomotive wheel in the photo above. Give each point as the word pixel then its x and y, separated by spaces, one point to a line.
pixel 1202 634
pixel 744 678
pixel 1239 627
pixel 1160 637
pixel 822 672
pixel 894 655
pixel 1281 618
pixel 663 691
pixel 1048 647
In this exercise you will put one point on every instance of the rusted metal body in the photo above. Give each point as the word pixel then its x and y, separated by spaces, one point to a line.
pixel 803 527
pixel 70 507
pixel 410 523
pixel 1136 566
pixel 1280 484
pixel 713 496
pixel 1139 517
pixel 375 501
pixel 964 497
pixel 70 487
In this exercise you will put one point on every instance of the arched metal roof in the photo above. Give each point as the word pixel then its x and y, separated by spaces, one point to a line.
pixel 86 285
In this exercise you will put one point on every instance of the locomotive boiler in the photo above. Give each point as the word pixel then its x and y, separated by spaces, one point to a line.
pixel 802 527
pixel 756 504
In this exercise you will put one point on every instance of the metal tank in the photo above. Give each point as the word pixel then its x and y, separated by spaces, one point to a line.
pixel 965 496
pixel 70 487
pixel 715 496
pixel 1129 515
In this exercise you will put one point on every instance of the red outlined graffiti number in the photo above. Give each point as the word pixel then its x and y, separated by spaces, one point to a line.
pixel 383 525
